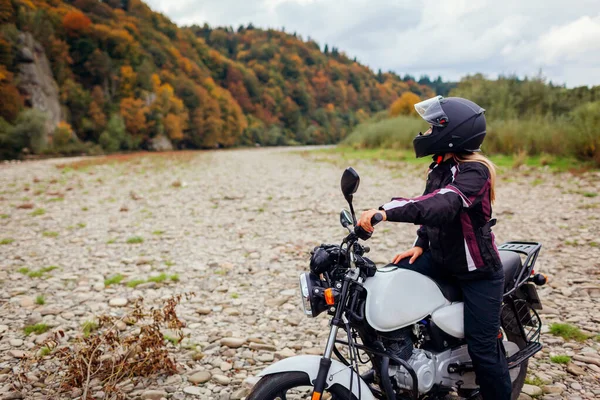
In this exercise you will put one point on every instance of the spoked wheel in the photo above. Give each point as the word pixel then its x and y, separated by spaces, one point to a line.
pixel 293 386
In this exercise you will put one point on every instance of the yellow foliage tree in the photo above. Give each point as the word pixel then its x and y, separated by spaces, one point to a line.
pixel 127 81
pixel 405 104
pixel 174 127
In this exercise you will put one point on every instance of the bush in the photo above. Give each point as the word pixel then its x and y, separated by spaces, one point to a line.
pixel 63 135
pixel 393 133
pixel 115 135
pixel 30 130
pixel 585 121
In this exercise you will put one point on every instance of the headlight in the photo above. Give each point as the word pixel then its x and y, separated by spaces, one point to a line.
pixel 311 294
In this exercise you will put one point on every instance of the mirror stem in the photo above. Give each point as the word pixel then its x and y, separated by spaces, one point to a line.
pixel 352 211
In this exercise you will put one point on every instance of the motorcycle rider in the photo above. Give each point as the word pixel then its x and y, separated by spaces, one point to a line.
pixel 454 240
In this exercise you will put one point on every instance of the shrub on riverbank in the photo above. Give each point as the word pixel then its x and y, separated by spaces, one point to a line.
pixel 576 134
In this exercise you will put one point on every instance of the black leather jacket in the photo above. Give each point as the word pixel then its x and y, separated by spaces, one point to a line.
pixel 455 217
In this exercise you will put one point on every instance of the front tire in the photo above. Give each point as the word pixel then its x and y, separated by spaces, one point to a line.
pixel 295 384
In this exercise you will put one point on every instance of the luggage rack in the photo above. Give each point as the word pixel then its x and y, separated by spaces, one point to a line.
pixel 530 250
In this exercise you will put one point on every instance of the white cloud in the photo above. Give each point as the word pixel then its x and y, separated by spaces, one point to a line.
pixel 451 37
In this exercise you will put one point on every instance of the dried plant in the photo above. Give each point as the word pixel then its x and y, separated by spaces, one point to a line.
pixel 118 351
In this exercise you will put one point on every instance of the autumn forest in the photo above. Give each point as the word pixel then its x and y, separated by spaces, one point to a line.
pixel 128 78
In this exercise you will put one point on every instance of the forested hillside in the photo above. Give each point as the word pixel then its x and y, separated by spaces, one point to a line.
pixel 128 78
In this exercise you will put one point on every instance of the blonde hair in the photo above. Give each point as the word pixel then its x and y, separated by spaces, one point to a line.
pixel 480 158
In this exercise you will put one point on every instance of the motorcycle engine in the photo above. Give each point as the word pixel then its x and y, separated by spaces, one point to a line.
pixel 424 365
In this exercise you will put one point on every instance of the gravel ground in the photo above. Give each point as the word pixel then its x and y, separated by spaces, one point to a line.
pixel 236 227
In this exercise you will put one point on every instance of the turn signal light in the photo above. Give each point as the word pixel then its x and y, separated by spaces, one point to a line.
pixel 316 395
pixel 540 279
pixel 329 297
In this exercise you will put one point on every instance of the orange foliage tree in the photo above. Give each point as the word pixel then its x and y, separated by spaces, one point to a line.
pixel 405 104
pixel 133 112
pixel 75 23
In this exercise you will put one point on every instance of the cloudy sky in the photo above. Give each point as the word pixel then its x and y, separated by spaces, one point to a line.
pixel 450 38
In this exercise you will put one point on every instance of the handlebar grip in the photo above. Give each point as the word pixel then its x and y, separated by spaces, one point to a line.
pixel 377 218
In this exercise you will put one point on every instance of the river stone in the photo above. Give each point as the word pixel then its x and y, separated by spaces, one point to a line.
pixel 221 379
pixel 552 389
pixel 118 302
pixel 531 390
pixel 232 342
pixel 193 390
pixel 199 377
pixel 576 386
pixel 16 353
pixel 575 369
pixel 261 346
pixel 225 366
pixel 153 394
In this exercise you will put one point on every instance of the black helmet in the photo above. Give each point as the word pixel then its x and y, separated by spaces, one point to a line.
pixel 458 125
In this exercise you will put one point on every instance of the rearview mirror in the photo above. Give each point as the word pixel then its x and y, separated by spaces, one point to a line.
pixel 346 218
pixel 350 182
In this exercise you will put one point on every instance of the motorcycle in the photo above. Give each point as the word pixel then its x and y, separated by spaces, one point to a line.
pixel 405 328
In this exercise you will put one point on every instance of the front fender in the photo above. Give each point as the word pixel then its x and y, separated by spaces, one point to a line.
pixel 338 373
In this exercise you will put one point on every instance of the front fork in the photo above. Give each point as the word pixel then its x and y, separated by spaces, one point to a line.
pixel 319 383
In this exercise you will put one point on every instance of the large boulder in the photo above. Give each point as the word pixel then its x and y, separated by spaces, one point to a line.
pixel 161 143
pixel 36 82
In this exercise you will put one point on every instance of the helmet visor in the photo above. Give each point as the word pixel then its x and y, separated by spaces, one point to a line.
pixel 431 111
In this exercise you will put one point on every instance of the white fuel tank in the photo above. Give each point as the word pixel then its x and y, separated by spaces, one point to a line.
pixel 399 297
pixel 450 319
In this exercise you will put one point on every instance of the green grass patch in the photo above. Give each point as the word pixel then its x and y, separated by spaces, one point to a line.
pixel 502 161
pixel 567 332
pixel 4 216
pixel 113 280
pixel 169 263
pixel 158 232
pixel 40 299
pixel 589 194
pixel 135 282
pixel 88 327
pixel 50 234
pixel 38 211
pixel 6 241
pixel 81 225
pixel 111 241
pixel 38 273
pixel 174 278
pixel 173 340
pixel 44 351
pixel 135 240
pixel 235 295
pixel 220 272
pixel 38 329
pixel 560 359
pixel 158 278
pixel 534 380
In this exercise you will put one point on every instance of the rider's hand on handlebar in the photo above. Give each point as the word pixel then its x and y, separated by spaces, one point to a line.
pixel 365 219
pixel 413 253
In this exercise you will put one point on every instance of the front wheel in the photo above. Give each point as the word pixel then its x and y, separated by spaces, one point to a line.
pixel 293 385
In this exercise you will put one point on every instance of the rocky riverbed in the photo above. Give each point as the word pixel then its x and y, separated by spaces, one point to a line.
pixel 236 228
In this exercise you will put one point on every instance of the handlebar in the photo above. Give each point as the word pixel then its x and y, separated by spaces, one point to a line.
pixel 363 234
